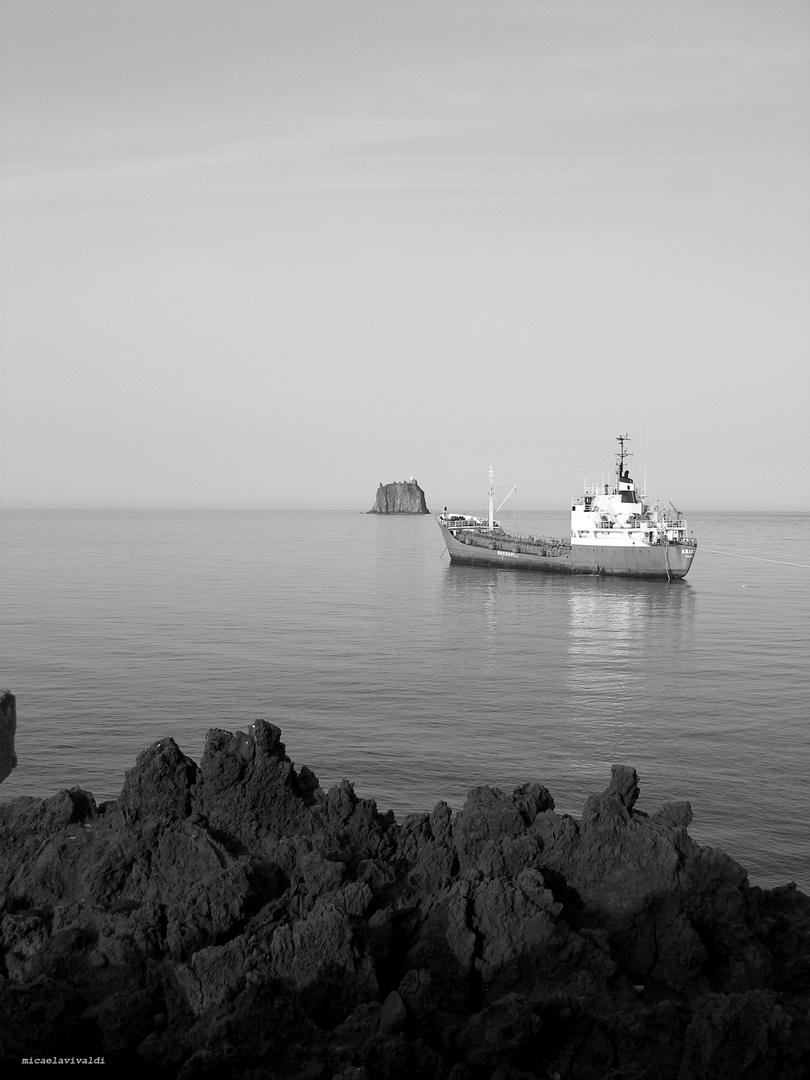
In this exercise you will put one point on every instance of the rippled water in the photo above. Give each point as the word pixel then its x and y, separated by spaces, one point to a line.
pixel 384 664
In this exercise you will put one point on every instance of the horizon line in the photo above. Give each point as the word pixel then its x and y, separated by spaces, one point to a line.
pixel 229 507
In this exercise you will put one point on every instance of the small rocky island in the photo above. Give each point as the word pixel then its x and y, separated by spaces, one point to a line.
pixel 402 497
pixel 234 920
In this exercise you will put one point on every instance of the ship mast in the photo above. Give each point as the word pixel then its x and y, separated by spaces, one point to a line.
pixel 491 499
pixel 621 440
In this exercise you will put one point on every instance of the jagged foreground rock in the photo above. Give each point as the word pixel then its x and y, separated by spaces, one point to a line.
pixel 235 920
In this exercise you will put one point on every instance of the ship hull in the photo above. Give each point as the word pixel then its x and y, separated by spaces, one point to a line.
pixel 665 561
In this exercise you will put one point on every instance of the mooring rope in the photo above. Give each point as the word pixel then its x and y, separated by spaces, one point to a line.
pixel 759 558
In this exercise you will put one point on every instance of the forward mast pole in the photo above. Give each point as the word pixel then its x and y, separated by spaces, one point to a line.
pixel 491 499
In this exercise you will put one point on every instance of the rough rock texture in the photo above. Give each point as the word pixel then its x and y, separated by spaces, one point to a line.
pixel 234 920
pixel 405 497
pixel 8 729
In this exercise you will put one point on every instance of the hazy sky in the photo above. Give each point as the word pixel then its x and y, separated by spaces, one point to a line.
pixel 271 253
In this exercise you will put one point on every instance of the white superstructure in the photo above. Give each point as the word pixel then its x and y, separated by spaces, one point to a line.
pixel 617 515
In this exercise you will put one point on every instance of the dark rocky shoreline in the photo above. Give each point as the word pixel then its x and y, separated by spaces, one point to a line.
pixel 234 920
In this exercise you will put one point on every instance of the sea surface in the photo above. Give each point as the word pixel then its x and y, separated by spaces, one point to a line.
pixel 385 665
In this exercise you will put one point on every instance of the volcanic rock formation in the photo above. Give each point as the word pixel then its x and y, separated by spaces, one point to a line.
pixel 402 497
pixel 232 919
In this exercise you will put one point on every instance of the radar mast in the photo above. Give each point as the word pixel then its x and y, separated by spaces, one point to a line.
pixel 622 454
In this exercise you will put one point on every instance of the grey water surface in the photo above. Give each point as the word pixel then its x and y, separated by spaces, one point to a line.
pixel 385 665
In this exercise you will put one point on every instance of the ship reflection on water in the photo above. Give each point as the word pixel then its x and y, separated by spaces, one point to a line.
pixel 607 621
pixel 621 633
pixel 582 672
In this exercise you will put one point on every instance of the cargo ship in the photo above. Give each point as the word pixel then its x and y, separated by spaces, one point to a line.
pixel 613 531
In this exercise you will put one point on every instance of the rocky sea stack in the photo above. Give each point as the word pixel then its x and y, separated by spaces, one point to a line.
pixel 403 497
pixel 232 919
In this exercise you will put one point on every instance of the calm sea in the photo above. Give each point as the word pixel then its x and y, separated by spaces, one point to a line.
pixel 384 664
